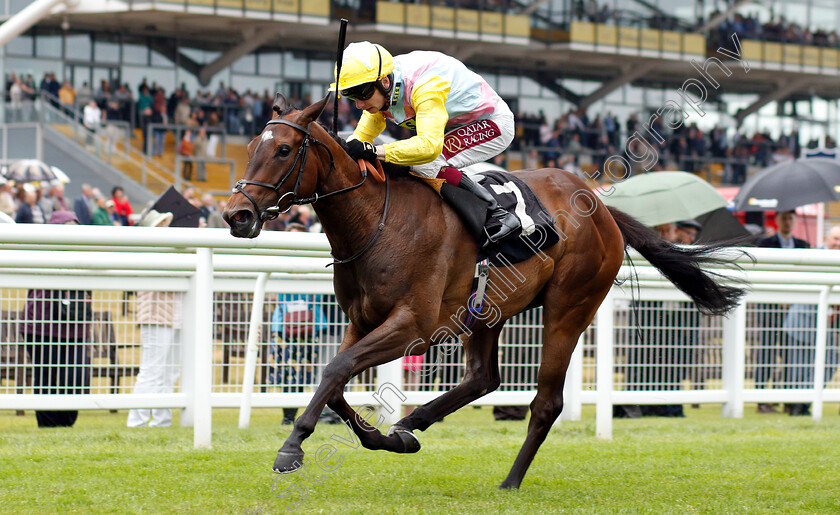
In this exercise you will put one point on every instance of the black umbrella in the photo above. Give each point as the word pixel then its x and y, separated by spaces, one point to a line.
pixel 184 213
pixel 720 225
pixel 786 186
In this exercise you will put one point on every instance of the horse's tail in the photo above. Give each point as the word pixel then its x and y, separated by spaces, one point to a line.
pixel 682 265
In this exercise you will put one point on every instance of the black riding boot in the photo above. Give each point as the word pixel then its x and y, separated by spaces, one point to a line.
pixel 509 222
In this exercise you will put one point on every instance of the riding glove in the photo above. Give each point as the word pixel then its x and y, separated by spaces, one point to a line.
pixel 361 150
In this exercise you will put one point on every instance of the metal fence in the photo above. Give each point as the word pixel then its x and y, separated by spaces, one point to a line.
pixel 646 346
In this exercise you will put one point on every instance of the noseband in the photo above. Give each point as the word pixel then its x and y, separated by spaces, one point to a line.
pixel 302 154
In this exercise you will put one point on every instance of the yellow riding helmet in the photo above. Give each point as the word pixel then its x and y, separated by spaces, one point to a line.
pixel 363 62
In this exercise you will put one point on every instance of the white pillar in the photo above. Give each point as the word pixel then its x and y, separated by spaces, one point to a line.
pixel 734 345
pixel 820 224
pixel 820 347
pixel 203 343
pixel 388 377
pixel 605 358
pixel 253 348
pixel 572 405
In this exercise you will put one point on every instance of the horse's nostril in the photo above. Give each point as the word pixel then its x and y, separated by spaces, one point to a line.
pixel 243 216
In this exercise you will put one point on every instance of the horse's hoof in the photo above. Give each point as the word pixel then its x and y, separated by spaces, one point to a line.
pixel 508 486
pixel 287 462
pixel 410 443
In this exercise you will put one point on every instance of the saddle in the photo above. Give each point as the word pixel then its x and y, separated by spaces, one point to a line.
pixel 515 196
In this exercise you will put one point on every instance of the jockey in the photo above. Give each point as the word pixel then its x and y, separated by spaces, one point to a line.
pixel 457 117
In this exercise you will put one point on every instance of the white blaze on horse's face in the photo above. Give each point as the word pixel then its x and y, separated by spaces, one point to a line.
pixel 267 136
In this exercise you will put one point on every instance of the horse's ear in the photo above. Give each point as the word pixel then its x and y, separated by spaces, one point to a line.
pixel 280 105
pixel 314 111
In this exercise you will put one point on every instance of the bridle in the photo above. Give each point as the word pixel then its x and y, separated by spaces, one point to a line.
pixel 274 211
pixel 302 154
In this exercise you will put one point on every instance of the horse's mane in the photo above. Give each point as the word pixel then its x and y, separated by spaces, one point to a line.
pixel 393 170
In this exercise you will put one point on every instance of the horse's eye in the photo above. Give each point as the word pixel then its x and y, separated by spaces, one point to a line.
pixel 283 150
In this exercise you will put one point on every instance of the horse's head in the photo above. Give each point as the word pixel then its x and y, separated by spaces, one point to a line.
pixel 279 172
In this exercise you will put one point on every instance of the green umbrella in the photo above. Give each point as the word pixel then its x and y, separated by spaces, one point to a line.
pixel 658 198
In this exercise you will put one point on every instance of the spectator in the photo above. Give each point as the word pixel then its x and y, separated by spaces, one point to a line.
pixel 91 118
pixel 300 215
pixel 784 235
pixel 208 208
pixel 82 206
pixel 800 324
pixel 144 112
pixel 158 133
pixel 45 199
pixel 185 150
pixel 123 99
pixel 18 93
pixel 518 349
pixel 686 232
pixel 112 130
pixel 144 84
pixel 182 111
pixel 84 95
pixel 160 316
pixel 687 319
pixel 29 212
pixel 67 97
pixel 59 203
pixel 104 213
pixel 214 139
pixel 200 151
pixel 832 239
pixel 297 322
pixel 121 205
pixel 7 199
pixel 651 357
pixel 56 328
pixel 574 148
pixel 773 340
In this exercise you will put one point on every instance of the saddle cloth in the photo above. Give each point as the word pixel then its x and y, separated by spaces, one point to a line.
pixel 514 195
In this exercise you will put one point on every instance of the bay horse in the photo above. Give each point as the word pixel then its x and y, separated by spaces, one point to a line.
pixel 405 265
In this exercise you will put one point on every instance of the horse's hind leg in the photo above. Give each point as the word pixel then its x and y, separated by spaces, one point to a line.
pixel 563 326
pixel 481 378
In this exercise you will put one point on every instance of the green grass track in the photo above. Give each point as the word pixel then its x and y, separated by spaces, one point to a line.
pixel 699 464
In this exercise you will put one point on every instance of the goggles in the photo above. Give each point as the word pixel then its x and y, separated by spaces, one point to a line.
pixel 360 92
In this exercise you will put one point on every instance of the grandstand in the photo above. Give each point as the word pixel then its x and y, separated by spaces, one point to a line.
pixel 756 82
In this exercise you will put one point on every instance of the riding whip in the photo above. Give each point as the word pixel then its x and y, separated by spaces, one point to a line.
pixel 342 32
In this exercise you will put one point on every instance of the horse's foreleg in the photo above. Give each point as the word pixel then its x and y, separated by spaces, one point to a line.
pixel 481 378
pixel 370 437
pixel 385 343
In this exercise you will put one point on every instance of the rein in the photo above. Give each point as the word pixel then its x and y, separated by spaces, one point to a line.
pixel 273 212
pixel 302 154
pixel 375 235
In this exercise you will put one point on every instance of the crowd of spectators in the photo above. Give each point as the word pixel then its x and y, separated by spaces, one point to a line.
pixel 28 203
pixel 567 142
pixel 575 137
pixel 233 111
pixel 777 30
